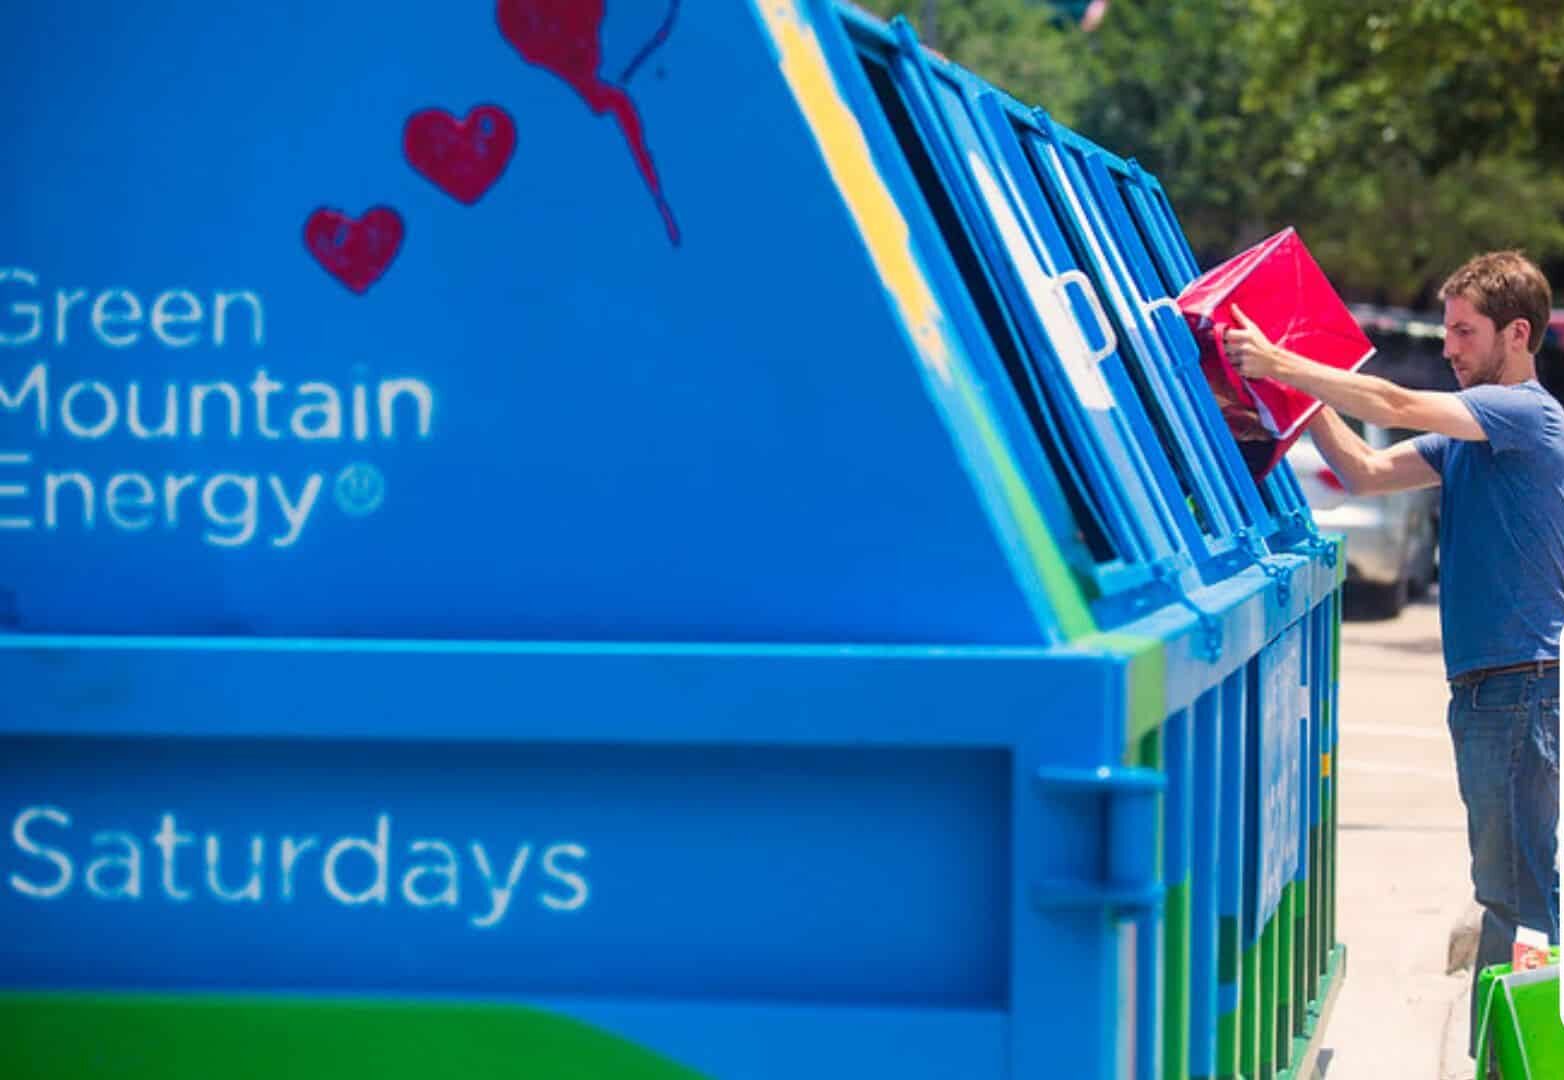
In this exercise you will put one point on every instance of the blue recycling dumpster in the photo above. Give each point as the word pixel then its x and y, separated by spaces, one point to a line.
pixel 627 540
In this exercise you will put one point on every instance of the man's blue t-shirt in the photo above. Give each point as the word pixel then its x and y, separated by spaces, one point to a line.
pixel 1501 543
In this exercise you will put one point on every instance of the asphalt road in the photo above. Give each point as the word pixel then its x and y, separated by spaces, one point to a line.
pixel 1403 872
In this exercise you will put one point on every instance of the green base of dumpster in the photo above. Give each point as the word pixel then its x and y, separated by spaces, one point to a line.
pixel 1306 1047
pixel 67 1036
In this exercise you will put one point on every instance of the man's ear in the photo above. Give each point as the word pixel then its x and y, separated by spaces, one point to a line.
pixel 1520 331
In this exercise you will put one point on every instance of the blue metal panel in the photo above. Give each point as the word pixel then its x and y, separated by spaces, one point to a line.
pixel 1293 496
pixel 507 869
pixel 1320 702
pixel 1081 171
pixel 1149 207
pixel 784 1042
pixel 1183 266
pixel 1178 842
pixel 782 828
pixel 559 413
pixel 1317 854
pixel 1205 885
pixel 1171 346
pixel 1235 824
pixel 1166 249
pixel 645 419
pixel 1056 252
pixel 1058 288
pixel 1308 758
pixel 1116 466
pixel 1254 706
pixel 1180 838
pixel 871 40
pixel 1147 1018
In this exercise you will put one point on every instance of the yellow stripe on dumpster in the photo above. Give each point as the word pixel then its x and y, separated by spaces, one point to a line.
pixel 848 159
pixel 888 238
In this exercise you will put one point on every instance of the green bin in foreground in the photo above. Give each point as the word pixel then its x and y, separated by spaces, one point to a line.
pixel 1520 1033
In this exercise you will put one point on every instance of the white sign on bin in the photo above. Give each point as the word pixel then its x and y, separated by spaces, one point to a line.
pixel 1284 708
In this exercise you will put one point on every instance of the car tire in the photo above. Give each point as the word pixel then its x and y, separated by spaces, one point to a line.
pixel 1385 601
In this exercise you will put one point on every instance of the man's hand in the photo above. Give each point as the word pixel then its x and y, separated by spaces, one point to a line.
pixel 1250 351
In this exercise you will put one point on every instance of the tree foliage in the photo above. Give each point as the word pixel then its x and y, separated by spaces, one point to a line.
pixel 1019 45
pixel 1417 131
pixel 1399 136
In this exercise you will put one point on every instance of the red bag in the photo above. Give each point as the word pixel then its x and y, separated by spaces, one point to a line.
pixel 1278 284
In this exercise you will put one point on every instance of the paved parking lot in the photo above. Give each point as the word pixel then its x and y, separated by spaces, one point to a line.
pixel 1403 862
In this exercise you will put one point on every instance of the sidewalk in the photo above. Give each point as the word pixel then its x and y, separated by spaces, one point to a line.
pixel 1403 877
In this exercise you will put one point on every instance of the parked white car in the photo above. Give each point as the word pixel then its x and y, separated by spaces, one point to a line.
pixel 1392 540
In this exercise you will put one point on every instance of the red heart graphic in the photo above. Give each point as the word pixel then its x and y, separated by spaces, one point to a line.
pixel 561 36
pixel 462 157
pixel 356 253
pixel 564 37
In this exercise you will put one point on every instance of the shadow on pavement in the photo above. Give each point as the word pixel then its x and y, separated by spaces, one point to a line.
pixel 1423 646
pixel 1356 608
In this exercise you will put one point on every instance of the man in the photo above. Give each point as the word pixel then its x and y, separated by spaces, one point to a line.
pixel 1497 448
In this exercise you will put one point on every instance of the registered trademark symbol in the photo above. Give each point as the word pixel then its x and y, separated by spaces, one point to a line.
pixel 360 489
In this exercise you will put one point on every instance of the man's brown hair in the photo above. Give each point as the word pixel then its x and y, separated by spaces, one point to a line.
pixel 1504 286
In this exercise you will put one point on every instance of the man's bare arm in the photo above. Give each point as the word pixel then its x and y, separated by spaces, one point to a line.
pixel 1365 396
pixel 1364 470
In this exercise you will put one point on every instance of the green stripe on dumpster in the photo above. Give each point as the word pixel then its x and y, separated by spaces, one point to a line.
pixel 1229 969
pixel 1329 899
pixel 1227 1044
pixel 1146 681
pixel 1228 938
pixel 1058 580
pixel 1312 941
pixel 1250 1006
pixel 1282 1045
pixel 1328 841
pixel 1302 958
pixel 1317 915
pixel 1149 754
pixel 155 1037
pixel 1265 1004
pixel 1328 822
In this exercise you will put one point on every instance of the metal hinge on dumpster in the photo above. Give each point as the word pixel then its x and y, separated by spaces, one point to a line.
pixel 1312 542
pixel 1208 628
pixel 1318 545
pixel 1275 569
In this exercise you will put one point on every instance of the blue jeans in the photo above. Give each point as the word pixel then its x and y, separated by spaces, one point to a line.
pixel 1506 734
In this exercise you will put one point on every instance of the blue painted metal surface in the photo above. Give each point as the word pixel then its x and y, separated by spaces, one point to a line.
pixel 793 605
pixel 506 854
pixel 1205 884
pixel 1113 465
pixel 686 462
pixel 779 831
pixel 1234 815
